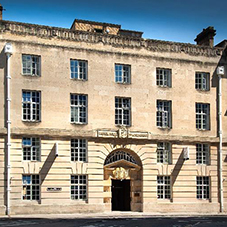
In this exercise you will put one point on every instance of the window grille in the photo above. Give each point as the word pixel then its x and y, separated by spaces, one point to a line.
pixel 79 187
pixel 203 187
pixel 31 187
pixel 122 74
pixel 79 150
pixel 202 81
pixel 163 77
pixel 31 105
pixel 202 154
pixel 31 65
pixel 202 116
pixel 31 149
pixel 163 187
pixel 78 69
pixel 78 109
pixel 164 114
pixel 122 111
pixel 164 153
pixel 120 155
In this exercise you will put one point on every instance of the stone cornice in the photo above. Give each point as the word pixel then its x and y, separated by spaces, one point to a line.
pixel 95 135
pixel 42 31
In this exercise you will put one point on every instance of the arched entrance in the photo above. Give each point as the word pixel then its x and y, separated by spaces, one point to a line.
pixel 123 181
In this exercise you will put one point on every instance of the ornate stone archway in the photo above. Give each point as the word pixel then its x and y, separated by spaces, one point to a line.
pixel 124 164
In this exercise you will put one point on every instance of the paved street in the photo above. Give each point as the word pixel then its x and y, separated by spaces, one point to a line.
pixel 219 221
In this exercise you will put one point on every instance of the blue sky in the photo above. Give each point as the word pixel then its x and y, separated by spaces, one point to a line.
pixel 172 20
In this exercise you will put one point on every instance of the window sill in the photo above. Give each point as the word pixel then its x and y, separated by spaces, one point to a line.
pixel 163 86
pixel 76 79
pixel 164 128
pixel 203 130
pixel 78 123
pixel 123 83
pixel 27 121
pixel 202 90
pixel 123 126
pixel 31 75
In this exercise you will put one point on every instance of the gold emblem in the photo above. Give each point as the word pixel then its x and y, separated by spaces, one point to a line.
pixel 120 173
pixel 123 132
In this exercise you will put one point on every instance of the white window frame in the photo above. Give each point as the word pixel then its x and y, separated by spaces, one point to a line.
pixel 79 151
pixel 32 106
pixel 122 111
pixel 32 187
pixel 31 65
pixel 163 77
pixel 203 187
pixel 164 154
pixel 202 153
pixel 164 187
pixel 32 149
pixel 202 81
pixel 164 114
pixel 79 109
pixel 203 116
pixel 78 69
pixel 78 187
pixel 122 74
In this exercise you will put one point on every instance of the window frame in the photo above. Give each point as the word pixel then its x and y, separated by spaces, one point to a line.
pixel 202 83
pixel 163 80
pixel 79 108
pixel 31 109
pixel 123 79
pixel 79 185
pixel 164 153
pixel 83 76
pixel 82 152
pixel 202 116
pixel 203 195
pixel 31 188
pixel 163 116
pixel 202 150
pixel 166 195
pixel 33 148
pixel 123 109
pixel 37 64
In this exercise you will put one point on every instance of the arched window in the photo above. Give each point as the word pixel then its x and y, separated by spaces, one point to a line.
pixel 120 155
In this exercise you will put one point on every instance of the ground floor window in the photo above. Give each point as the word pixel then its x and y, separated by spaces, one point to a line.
pixel 31 187
pixel 203 187
pixel 79 187
pixel 163 187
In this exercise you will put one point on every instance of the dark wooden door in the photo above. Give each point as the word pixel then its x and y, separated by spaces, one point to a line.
pixel 121 195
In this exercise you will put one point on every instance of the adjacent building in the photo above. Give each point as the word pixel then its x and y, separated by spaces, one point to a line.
pixel 96 118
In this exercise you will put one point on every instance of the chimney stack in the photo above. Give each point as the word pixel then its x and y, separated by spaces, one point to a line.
pixel 1 9
pixel 206 37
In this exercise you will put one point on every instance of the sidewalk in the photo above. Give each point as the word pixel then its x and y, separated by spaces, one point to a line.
pixel 111 215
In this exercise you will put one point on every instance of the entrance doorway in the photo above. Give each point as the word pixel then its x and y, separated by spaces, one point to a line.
pixel 121 195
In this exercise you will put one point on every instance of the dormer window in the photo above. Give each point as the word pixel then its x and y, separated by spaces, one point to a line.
pixel 97 30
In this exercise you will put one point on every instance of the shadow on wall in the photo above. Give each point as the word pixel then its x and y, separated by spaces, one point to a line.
pixel 47 164
pixel 177 167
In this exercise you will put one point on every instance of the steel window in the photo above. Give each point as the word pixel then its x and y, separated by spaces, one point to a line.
pixel 79 150
pixel 31 65
pixel 164 153
pixel 31 187
pixel 78 69
pixel 31 105
pixel 203 187
pixel 122 111
pixel 79 187
pixel 163 114
pixel 163 77
pixel 163 187
pixel 202 154
pixel 202 116
pixel 78 109
pixel 202 81
pixel 122 74
pixel 31 149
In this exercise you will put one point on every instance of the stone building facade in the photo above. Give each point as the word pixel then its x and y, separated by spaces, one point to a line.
pixel 102 120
